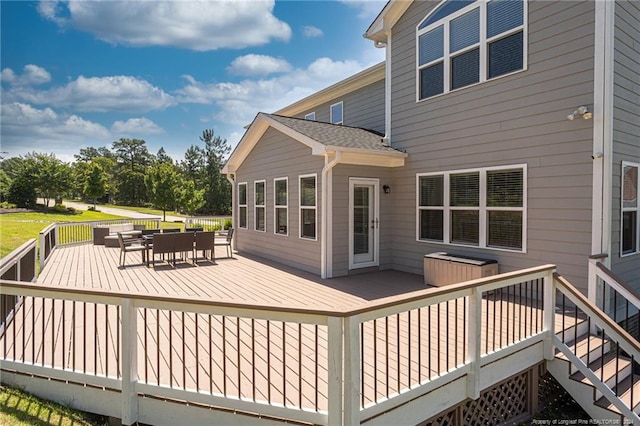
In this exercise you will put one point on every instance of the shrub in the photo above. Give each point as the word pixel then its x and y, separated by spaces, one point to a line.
pixel 59 208
pixel 22 193
pixel 7 205
pixel 228 223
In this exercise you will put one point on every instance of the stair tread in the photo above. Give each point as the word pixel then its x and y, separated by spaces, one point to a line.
pixel 608 365
pixel 585 341
pixel 624 391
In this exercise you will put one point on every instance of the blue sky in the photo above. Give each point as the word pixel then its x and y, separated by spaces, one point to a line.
pixel 86 73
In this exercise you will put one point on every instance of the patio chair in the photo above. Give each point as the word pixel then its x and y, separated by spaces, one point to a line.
pixel 204 242
pixel 129 245
pixel 183 244
pixel 193 229
pixel 170 230
pixel 163 244
pixel 227 243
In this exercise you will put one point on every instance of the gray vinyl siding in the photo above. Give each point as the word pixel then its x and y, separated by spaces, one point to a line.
pixel 363 107
pixel 516 119
pixel 275 156
pixel 626 124
pixel 340 194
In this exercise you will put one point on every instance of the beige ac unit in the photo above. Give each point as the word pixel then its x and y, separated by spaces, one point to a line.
pixel 441 269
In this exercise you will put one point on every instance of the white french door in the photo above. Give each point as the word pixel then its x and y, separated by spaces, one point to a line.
pixel 363 222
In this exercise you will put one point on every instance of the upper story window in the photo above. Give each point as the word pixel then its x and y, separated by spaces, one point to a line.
pixel 630 227
pixel 481 207
pixel 337 113
pixel 311 116
pixel 467 42
pixel 259 205
pixel 281 206
pixel 242 205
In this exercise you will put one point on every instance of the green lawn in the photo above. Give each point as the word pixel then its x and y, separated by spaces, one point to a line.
pixel 16 228
pixel 146 210
pixel 18 408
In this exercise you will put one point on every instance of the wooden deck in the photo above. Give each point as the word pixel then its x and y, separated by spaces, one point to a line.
pixel 272 362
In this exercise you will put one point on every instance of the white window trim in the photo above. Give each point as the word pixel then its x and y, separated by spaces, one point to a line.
pixel 311 116
pixel 276 206
pixel 301 207
pixel 246 197
pixel 341 113
pixel 256 206
pixel 484 43
pixel 483 209
pixel 630 209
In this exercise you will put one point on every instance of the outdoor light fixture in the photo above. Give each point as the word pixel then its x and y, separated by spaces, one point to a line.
pixel 386 189
pixel 582 111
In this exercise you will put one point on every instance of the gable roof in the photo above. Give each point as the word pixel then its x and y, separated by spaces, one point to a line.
pixel 355 145
pixel 386 19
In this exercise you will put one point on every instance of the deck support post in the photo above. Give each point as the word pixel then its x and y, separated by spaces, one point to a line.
pixel 474 343
pixel 352 383
pixel 549 312
pixel 334 370
pixel 129 358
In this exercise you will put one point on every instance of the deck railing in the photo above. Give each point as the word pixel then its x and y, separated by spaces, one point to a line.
pixel 19 265
pixel 611 344
pixel 209 223
pixel 322 367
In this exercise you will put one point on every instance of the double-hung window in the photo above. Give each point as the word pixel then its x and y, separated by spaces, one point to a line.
pixel 242 205
pixel 481 207
pixel 337 112
pixel 281 206
pixel 630 238
pixel 308 203
pixel 259 205
pixel 466 42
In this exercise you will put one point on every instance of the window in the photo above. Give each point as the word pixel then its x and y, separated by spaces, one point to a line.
pixel 630 209
pixel 481 207
pixel 311 116
pixel 281 206
pixel 242 205
pixel 467 42
pixel 259 214
pixel 308 199
pixel 337 113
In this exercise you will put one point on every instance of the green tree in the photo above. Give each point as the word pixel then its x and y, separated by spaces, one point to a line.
pixel 190 198
pixel 132 157
pixel 163 157
pixel 192 166
pixel 50 176
pixel 218 191
pixel 5 183
pixel 163 183
pixel 22 193
pixel 95 185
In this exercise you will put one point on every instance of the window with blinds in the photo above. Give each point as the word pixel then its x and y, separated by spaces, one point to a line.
pixel 630 226
pixel 308 202
pixel 259 199
pixel 281 206
pixel 482 207
pixel 455 50
pixel 242 205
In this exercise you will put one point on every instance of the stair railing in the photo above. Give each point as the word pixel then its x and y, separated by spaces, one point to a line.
pixel 618 300
pixel 609 331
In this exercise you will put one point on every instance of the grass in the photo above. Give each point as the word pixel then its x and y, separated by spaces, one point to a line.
pixel 146 210
pixel 18 408
pixel 16 228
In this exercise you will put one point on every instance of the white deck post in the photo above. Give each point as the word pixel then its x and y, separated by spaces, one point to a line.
pixel 474 344
pixel 129 362
pixel 334 370
pixel 352 383
pixel 549 314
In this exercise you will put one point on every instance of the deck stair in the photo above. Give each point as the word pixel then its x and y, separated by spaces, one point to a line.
pixel 591 363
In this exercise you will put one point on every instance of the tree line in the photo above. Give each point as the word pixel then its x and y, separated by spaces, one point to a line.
pixel 125 174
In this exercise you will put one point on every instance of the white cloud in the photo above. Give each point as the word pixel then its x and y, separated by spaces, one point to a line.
pixel 135 126
pixel 238 103
pixel 253 65
pixel 369 9
pixel 25 129
pixel 311 31
pixel 121 93
pixel 32 75
pixel 195 25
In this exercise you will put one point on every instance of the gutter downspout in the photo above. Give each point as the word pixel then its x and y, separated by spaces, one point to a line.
pixel 232 181
pixel 602 142
pixel 387 87
pixel 326 221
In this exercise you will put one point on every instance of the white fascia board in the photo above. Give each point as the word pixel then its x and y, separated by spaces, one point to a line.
pixel 341 88
pixel 316 147
pixel 246 144
pixel 383 23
